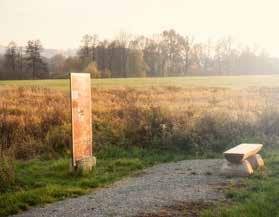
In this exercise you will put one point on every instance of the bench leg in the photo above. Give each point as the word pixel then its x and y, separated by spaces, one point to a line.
pixel 256 161
pixel 242 169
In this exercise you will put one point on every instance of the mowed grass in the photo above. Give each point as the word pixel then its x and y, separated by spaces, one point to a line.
pixel 193 81
pixel 259 197
pixel 44 181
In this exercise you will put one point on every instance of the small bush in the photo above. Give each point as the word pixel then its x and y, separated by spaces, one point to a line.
pixel 58 139
pixel 92 68
pixel 7 173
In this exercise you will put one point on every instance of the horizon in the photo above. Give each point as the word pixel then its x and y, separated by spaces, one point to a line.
pixel 37 19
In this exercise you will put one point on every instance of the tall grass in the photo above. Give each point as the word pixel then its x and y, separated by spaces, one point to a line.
pixel 36 121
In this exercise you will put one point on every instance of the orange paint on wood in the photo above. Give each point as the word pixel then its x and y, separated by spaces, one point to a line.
pixel 81 116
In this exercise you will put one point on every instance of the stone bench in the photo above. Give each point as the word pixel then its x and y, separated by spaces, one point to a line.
pixel 242 159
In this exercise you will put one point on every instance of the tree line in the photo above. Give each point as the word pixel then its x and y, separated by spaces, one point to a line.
pixel 23 63
pixel 166 54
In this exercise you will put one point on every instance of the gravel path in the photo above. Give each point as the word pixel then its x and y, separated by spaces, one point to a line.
pixel 155 188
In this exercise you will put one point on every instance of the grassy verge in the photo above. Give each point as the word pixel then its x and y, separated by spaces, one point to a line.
pixel 44 181
pixel 260 197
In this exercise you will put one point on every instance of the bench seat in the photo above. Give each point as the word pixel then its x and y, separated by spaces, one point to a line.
pixel 242 152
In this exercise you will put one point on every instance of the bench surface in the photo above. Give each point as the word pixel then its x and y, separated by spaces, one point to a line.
pixel 242 152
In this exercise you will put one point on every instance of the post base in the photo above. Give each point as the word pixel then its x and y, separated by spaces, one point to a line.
pixel 84 166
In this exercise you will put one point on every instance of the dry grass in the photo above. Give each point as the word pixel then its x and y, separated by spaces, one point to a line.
pixel 36 121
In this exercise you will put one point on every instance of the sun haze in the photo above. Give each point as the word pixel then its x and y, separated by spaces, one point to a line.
pixel 62 23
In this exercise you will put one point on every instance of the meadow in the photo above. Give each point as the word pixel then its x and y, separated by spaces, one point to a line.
pixel 136 123
pixel 243 81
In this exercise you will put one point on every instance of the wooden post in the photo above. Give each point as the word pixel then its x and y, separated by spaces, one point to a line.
pixel 82 158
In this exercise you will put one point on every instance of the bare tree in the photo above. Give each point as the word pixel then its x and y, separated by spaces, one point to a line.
pixel 10 60
pixel 123 39
pixel 186 47
pixel 13 62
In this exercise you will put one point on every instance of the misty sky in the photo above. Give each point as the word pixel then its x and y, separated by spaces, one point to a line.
pixel 62 23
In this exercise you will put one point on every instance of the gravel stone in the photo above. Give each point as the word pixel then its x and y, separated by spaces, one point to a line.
pixel 153 189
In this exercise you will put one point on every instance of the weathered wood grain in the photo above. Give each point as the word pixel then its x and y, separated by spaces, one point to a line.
pixel 242 152
pixel 81 117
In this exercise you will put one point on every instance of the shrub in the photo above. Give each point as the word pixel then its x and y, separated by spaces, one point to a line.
pixel 106 73
pixel 58 139
pixel 7 173
pixel 92 68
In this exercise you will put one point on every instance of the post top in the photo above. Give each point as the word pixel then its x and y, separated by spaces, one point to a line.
pixel 80 74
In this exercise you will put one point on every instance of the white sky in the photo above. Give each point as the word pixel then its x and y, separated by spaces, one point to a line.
pixel 62 23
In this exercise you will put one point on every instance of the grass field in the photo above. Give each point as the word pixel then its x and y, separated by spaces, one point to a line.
pixel 44 181
pixel 258 196
pixel 143 121
pixel 201 81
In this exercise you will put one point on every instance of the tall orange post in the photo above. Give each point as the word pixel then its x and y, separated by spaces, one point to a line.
pixel 82 156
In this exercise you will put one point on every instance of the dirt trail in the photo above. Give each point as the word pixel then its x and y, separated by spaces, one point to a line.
pixel 147 194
